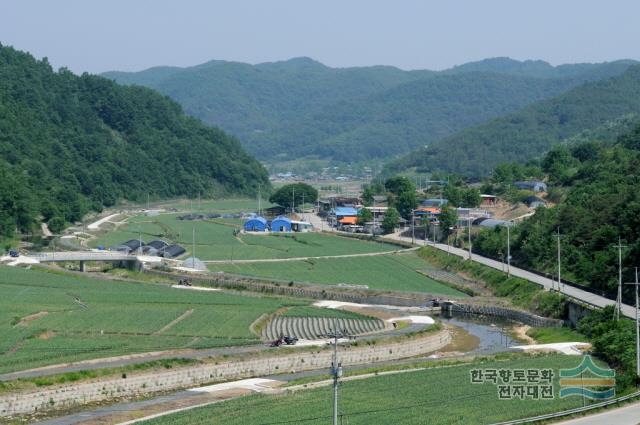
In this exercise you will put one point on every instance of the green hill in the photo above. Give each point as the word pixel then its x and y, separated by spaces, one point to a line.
pixel 595 186
pixel 70 144
pixel 301 108
pixel 531 131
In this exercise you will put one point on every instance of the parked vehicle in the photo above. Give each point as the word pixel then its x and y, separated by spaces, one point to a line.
pixel 14 253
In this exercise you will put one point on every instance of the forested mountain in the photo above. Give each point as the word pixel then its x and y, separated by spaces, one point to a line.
pixel 531 131
pixel 599 202
pixel 301 108
pixel 70 144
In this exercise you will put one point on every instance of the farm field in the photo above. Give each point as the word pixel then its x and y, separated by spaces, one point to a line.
pixel 48 318
pixel 397 272
pixel 438 396
pixel 215 239
pixel 215 205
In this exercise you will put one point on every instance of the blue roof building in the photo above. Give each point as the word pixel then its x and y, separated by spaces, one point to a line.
pixel 281 224
pixel 255 224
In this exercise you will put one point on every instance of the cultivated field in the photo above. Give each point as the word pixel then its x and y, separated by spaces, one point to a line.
pixel 215 205
pixel 48 318
pixel 215 239
pixel 397 272
pixel 434 396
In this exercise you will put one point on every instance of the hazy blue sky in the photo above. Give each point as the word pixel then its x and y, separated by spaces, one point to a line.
pixel 94 36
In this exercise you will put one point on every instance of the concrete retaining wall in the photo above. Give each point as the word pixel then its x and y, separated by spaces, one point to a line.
pixel 144 383
pixel 517 315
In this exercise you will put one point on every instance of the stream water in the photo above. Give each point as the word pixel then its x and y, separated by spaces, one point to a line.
pixel 492 332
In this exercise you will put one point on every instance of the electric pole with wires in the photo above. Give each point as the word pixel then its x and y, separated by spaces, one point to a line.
pixel 336 367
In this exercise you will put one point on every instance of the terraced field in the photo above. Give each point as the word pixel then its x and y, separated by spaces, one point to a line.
pixel 316 327
pixel 215 239
pixel 48 318
pixel 438 396
pixel 394 272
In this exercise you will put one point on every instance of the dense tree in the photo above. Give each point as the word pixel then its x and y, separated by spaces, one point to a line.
pixel 405 203
pixel 294 194
pixel 448 220
pixel 462 197
pixel 399 184
pixel 364 216
pixel 70 144
pixel 391 220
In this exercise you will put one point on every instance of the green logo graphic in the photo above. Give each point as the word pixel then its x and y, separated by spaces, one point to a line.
pixel 588 380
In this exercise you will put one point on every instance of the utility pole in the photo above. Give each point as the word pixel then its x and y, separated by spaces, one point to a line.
pixel 413 227
pixel 336 367
pixel 259 200
pixel 193 245
pixel 636 283
pixel 293 201
pixel 559 263
pixel 469 224
pixel 434 234
pixel 619 299
pixel 508 250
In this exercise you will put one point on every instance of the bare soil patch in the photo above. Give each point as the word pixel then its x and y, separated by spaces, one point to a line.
pixel 30 318
pixel 174 322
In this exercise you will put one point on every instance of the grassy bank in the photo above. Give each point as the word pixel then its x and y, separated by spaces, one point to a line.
pixel 519 292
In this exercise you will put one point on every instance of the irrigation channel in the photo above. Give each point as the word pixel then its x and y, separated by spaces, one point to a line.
pixel 484 335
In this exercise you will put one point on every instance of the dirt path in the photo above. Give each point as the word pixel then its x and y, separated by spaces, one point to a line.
pixel 174 322
pixel 320 257
pixel 31 317
pixel 520 332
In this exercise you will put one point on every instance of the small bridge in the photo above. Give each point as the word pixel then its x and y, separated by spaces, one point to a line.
pixel 132 261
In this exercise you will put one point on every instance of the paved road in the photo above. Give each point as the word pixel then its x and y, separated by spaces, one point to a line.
pixel 628 415
pixel 576 293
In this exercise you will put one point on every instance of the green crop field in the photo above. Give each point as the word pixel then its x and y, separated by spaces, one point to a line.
pixel 397 272
pixel 215 239
pixel 439 396
pixel 48 318
pixel 310 311
pixel 216 205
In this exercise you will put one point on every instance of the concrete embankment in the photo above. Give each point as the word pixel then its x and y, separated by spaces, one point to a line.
pixel 142 383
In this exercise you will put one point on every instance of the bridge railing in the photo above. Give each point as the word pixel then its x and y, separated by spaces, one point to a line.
pixel 571 411
pixel 82 256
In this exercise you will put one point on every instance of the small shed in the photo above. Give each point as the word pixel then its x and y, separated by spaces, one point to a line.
pixel 301 226
pixel 129 246
pixel 194 263
pixel 534 202
pixel 281 224
pixel 435 202
pixel 531 185
pixel 488 200
pixel 172 251
pixel 255 224
pixel 157 244
pixel 492 222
